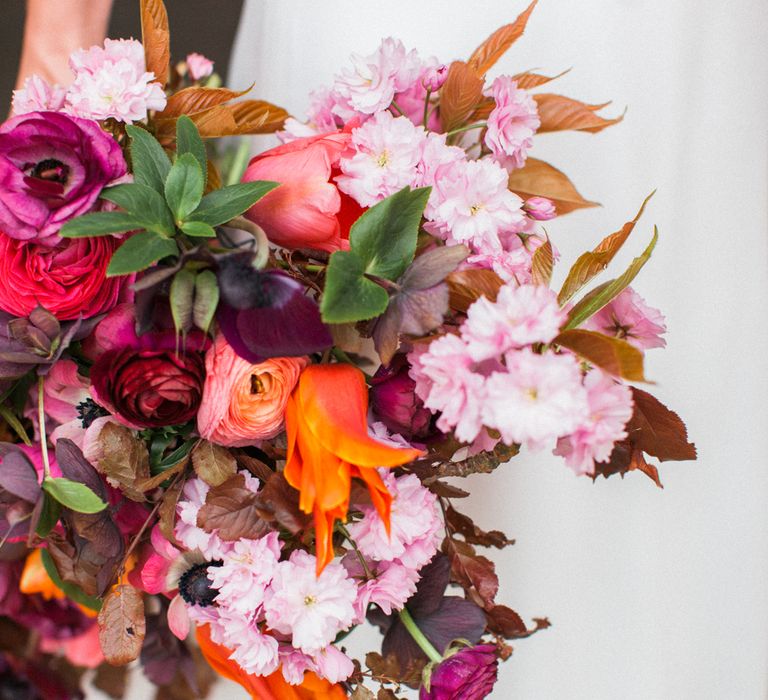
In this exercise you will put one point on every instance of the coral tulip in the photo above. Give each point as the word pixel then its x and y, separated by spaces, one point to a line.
pixel 328 444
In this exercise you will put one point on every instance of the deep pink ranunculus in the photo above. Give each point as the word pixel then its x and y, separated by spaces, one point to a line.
pixel 68 280
pixel 469 674
pixel 52 168
pixel 394 401
pixel 307 210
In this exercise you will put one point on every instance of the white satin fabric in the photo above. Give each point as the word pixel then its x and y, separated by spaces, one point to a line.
pixel 652 594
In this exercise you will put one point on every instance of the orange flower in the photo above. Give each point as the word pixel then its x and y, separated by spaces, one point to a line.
pixel 271 687
pixel 328 444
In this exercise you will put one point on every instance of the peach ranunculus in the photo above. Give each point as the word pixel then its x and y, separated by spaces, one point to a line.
pixel 244 403
pixel 307 210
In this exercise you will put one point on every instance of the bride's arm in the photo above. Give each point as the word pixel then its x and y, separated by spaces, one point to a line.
pixel 54 29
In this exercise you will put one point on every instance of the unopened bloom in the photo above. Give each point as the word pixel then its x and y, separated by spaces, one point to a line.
pixel 199 66
pixel 113 82
pixel 630 318
pixel 434 77
pixel 610 407
pixel 521 315
pixel 394 400
pixel 311 608
pixel 244 402
pixel 38 96
pixel 538 399
pixel 468 674
pixel 512 123
pixel 540 208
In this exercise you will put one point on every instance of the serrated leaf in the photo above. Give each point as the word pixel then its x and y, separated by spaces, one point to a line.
pixel 144 204
pixel 613 355
pixel 657 430
pixel 72 591
pixel 460 94
pixel 539 179
pixel 75 496
pixel 139 252
pixel 230 510
pixel 156 38
pixel 542 264
pixel 206 300
pixel 220 206
pixel 197 99
pixel 467 286
pixel 123 459
pixel 599 297
pixel 100 223
pixel 495 46
pixel 560 113
pixel 184 187
pixel 348 295
pixel 150 162
pixel 593 262
pixel 181 299
pixel 188 141
pixel 529 80
pixel 213 463
pixel 122 625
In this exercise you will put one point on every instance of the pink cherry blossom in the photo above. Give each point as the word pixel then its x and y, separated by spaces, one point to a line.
pixel 113 82
pixel 434 77
pixel 512 123
pixel 255 651
pixel 390 586
pixel 38 96
pixel 311 608
pixel 387 150
pixel 411 101
pixel 333 664
pixel 521 315
pixel 446 381
pixel 538 399
pixel 471 204
pixel 630 318
pixel 199 66
pixel 320 117
pixel 540 208
pixel 187 532
pixel 610 407
pixel 435 154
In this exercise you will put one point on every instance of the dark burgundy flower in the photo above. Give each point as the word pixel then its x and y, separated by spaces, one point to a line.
pixel 468 674
pixel 395 403
pixel 266 313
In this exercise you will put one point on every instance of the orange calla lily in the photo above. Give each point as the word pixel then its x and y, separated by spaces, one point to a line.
pixel 272 687
pixel 328 445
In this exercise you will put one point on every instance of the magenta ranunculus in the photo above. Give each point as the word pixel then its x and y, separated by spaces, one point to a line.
pixel 469 674
pixel 394 401
pixel 52 168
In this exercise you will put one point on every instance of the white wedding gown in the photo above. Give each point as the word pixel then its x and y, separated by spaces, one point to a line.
pixel 652 594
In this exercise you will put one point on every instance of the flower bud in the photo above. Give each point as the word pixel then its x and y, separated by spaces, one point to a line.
pixel 395 403
pixel 540 208
pixel 468 674
pixel 435 77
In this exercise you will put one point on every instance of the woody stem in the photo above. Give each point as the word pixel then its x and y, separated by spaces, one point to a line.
pixel 419 637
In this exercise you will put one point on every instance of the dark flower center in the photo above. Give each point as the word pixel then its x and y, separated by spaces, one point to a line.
pixel 49 169
pixel 88 411
pixel 195 586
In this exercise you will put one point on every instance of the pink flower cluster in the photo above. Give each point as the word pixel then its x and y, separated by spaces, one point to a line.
pixel 111 82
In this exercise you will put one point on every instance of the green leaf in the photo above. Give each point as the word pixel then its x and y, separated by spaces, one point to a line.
pixel 384 237
pixel 150 161
pixel 225 204
pixel 49 516
pixel 100 223
pixel 146 205
pixel 198 229
pixel 348 295
pixel 73 495
pixel 602 295
pixel 72 591
pixel 184 187
pixel 206 299
pixel 139 252
pixel 188 141
pixel 13 421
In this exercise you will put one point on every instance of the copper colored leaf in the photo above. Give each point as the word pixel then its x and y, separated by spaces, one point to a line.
pixel 495 46
pixel 122 625
pixel 542 264
pixel 528 80
pixel 463 525
pixel 167 511
pixel 445 490
pixel 260 470
pixel 559 113
pixel 278 502
pixel 386 694
pixel 162 477
pixel 80 565
pixel 460 94
pixel 156 37
pixel 123 459
pixel 212 463
pixel 614 355
pixel 230 509
pixel 388 668
pixel 475 574
pixel 196 99
pixel 467 286
pixel 593 262
pixel 111 680
pixel 505 621
pixel 658 431
pixel 638 462
pixel 240 118
pixel 362 693
pixel 540 179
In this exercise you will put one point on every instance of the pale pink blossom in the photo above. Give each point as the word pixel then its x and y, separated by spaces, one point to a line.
pixel 610 407
pixel 537 400
pixel 253 650
pixel 65 389
pixel 294 664
pixel 311 608
pixel 370 85
pixel 113 82
pixel 434 77
pixel 512 123
pixel 630 318
pixel 470 203
pixel 387 150
pixel 414 524
pixel 446 381
pixel 246 572
pixel 435 154
pixel 333 664
pixel 320 117
pixel 391 584
pixel 38 96
pixel 411 101
pixel 187 532
pixel 199 66
pixel 521 315
pixel 540 208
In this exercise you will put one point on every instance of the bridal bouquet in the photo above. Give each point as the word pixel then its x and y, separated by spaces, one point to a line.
pixel 233 403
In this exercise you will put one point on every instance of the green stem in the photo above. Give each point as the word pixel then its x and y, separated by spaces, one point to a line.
pixel 418 636
pixel 341 356
pixel 41 420
pixel 462 129
pixel 397 107
pixel 426 107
